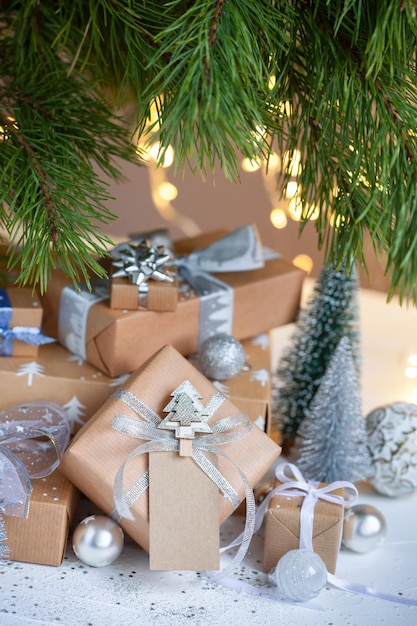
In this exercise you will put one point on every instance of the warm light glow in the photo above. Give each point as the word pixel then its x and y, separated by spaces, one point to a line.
pixel 274 161
pixel 167 157
pixel 291 189
pixel 278 218
pixel 250 166
pixel 4 135
pixel 410 372
pixel 304 262
pixel 285 108
pixel 312 212
pixel 292 161
pixel 337 220
pixel 295 209
pixel 153 112
pixel 413 396
pixel 142 151
pixel 413 360
pixel 154 150
pixel 167 191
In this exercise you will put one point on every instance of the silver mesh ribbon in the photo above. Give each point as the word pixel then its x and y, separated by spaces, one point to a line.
pixel 74 307
pixel 225 431
pixel 239 251
pixel 24 453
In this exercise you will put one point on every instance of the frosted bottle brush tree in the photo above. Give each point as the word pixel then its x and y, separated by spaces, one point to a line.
pixel 331 313
pixel 334 79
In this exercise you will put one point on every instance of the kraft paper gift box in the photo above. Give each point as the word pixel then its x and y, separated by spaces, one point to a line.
pixel 98 451
pixel 42 536
pixel 57 375
pixel 282 529
pixel 20 314
pixel 141 276
pixel 119 341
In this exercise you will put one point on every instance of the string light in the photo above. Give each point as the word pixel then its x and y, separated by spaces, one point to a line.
pixel 278 218
pixel 304 262
pixel 249 165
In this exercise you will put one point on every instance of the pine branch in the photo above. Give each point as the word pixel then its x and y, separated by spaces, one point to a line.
pixel 345 94
pixel 12 129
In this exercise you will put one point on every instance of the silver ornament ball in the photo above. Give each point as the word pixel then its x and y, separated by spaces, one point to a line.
pixel 221 357
pixel 364 527
pixel 97 541
pixel 300 575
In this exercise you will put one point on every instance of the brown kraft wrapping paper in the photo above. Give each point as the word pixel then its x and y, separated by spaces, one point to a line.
pixel 282 529
pixel 96 453
pixel 42 536
pixel 119 341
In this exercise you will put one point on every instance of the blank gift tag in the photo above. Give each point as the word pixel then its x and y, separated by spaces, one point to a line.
pixel 183 514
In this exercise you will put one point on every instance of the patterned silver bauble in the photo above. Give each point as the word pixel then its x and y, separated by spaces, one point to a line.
pixel 300 575
pixel 364 527
pixel 392 442
pixel 221 356
pixel 97 541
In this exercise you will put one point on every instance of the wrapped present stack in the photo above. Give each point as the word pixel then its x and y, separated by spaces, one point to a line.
pixel 154 439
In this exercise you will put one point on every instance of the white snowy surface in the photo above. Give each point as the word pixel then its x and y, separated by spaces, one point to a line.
pixel 127 593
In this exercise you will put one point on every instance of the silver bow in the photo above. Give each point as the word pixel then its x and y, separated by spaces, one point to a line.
pixel 141 261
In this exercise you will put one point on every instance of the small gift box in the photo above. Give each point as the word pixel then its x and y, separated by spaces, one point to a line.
pixel 303 514
pixel 33 437
pixel 226 286
pixel 42 536
pixel 20 322
pixel 143 276
pixel 61 377
pixel 135 460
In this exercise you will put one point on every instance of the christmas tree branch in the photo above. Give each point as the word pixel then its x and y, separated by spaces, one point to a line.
pixel 10 127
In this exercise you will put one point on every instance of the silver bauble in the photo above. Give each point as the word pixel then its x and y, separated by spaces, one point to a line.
pixel 392 443
pixel 221 357
pixel 300 575
pixel 364 527
pixel 97 541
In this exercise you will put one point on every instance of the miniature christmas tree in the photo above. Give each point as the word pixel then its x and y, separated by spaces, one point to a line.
pixel 331 443
pixel 186 415
pixel 331 314
pixel 335 81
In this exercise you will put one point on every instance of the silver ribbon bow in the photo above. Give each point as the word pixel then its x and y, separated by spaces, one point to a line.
pixel 23 455
pixel 141 261
pixel 225 431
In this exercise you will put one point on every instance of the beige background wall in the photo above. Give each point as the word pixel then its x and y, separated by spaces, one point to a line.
pixel 216 203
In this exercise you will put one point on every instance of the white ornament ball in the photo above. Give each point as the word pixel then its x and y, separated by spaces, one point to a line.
pixel 221 357
pixel 300 575
pixel 364 527
pixel 392 443
pixel 97 541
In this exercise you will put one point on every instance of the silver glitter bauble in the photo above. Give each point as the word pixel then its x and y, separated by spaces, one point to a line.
pixel 221 356
pixel 392 443
pixel 300 575
pixel 364 527
pixel 97 541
